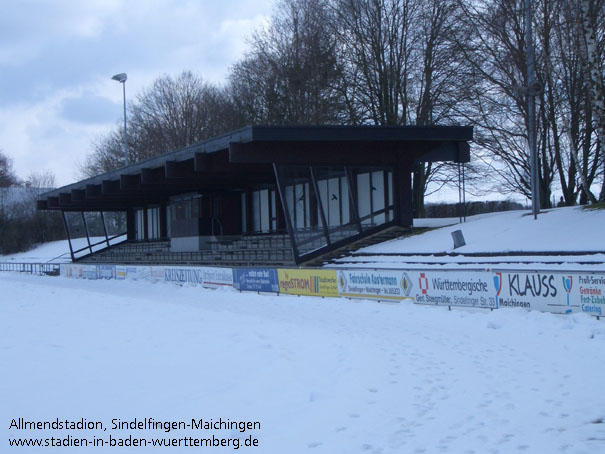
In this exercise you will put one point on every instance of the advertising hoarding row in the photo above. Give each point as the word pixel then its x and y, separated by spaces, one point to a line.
pixel 209 277
pixel 558 292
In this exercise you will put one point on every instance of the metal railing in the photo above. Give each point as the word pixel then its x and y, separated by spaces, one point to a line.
pixel 41 269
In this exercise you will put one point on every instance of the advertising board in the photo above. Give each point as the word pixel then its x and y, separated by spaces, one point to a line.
pixel 375 284
pixel 184 275
pixel 455 288
pixel 214 277
pixel 308 282
pixel 255 280
pixel 590 291
pixel 106 271
pixel 70 270
pixel 89 271
pixel 211 277
pixel 552 291
pixel 530 290
pixel 126 272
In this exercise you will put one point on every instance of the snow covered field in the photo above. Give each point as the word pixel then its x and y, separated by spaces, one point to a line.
pixel 320 375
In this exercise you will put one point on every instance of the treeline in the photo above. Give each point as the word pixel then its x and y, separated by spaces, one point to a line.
pixel 453 210
pixel 406 62
pixel 21 225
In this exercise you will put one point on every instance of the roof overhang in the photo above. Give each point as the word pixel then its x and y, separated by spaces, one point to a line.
pixel 245 158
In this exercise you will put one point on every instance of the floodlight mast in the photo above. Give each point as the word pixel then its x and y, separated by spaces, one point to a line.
pixel 122 77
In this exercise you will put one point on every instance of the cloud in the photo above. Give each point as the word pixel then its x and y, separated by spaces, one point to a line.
pixel 90 109
pixel 57 59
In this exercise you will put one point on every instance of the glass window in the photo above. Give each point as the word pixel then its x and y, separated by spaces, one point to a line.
pixel 322 187
pixel 364 206
pixel 344 200
pixel 115 223
pixel 186 208
pixel 273 210
pixel 333 205
pixel 264 210
pixel 308 222
pixel 153 223
pixel 302 208
pixel 299 203
pixel 377 189
pixel 168 221
pixel 77 233
pixel 261 210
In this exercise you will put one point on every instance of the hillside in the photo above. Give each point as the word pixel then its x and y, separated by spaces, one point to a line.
pixel 572 236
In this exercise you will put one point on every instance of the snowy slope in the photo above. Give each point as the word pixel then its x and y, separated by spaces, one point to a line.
pixel 560 229
pixel 54 251
pixel 320 375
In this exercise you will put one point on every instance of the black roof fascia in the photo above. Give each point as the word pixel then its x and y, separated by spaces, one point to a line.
pixel 366 133
pixel 182 154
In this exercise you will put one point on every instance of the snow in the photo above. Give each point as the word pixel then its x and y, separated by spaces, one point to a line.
pixel 320 375
pixel 577 232
pixel 52 252
pixel 560 229
pixel 581 263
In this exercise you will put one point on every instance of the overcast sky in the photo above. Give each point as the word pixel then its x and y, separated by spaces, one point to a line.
pixel 57 58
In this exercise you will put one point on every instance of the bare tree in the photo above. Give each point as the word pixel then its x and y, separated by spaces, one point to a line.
pixel 593 72
pixel 173 113
pixel 402 66
pixel 377 47
pixel 567 142
pixel 291 73
pixel 43 179
pixel 176 112
pixel 7 175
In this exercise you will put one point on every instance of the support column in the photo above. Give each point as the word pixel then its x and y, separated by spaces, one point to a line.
pixel 71 250
pixel 402 180
pixel 163 221
pixel 353 199
pixel 130 225
pixel 105 229
pixel 86 230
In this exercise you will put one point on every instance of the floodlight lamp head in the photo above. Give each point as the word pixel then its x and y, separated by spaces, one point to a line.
pixel 120 77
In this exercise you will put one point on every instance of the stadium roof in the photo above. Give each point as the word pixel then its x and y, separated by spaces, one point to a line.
pixel 246 157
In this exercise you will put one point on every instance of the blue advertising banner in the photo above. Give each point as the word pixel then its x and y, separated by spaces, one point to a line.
pixel 107 271
pixel 255 280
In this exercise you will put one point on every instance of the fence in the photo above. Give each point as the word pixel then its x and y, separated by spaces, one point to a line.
pixel 49 269
pixel 560 292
